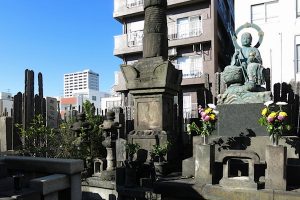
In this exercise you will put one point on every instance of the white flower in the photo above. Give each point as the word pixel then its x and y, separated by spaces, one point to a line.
pixel 280 103
pixel 268 103
pixel 216 112
pixel 212 106
pixel 188 129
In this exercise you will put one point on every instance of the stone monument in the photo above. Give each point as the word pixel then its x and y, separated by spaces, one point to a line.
pixel 153 81
pixel 245 75
pixel 244 78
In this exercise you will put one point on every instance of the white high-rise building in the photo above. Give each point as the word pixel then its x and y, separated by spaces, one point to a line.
pixel 84 80
pixel 79 87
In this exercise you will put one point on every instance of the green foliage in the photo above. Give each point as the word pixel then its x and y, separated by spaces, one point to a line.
pixel 39 140
pixel 132 148
pixel 159 151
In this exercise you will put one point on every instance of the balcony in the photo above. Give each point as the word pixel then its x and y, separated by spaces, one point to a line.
pixel 187 30
pixel 125 46
pixel 134 3
pixel 135 38
pixel 189 34
pixel 127 8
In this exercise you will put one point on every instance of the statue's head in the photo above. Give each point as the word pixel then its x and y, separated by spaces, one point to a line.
pixel 246 39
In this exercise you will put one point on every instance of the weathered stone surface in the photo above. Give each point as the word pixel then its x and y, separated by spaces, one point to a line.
pixel 242 97
pixel 238 181
pixel 121 150
pixel 188 167
pixel 152 73
pixel 276 167
pixel 240 119
pixel 155 41
pixel 204 159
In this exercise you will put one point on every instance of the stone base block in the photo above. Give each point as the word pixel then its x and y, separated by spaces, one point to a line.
pixel 188 167
pixel 238 182
pixel 204 160
pixel 276 158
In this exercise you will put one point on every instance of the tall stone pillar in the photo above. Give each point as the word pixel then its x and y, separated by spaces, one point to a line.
pixel 28 102
pixel 153 82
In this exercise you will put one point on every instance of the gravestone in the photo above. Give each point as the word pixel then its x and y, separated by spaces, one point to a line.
pixel 52 113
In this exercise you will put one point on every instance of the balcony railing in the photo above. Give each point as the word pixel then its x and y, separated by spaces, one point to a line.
pixel 191 69
pixel 135 38
pixel 186 30
pixel 134 3
pixel 191 112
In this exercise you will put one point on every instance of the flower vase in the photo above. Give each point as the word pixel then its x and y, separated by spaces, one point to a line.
pixel 275 139
pixel 205 138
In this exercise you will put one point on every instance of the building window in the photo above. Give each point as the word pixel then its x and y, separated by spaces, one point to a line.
pixel 185 28
pixel 191 66
pixel 94 98
pixel 298 8
pixel 265 12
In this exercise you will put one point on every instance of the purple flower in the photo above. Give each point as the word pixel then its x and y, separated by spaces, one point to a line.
pixel 203 115
pixel 206 118
pixel 270 119
pixel 280 117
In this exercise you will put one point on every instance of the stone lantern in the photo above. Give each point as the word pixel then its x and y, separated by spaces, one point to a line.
pixel 110 133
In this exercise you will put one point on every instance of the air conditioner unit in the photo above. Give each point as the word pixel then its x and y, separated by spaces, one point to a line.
pixel 172 51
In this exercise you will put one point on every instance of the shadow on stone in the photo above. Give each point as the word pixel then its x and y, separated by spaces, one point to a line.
pixel 91 196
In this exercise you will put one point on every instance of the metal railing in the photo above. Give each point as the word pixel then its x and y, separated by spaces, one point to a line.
pixel 135 38
pixel 186 30
pixel 134 3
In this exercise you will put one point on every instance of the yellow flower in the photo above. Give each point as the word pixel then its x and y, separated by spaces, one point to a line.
pixel 283 114
pixel 264 111
pixel 272 115
pixel 208 110
pixel 212 117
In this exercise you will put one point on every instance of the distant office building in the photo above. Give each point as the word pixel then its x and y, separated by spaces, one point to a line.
pixel 198 37
pixel 280 22
pixel 6 103
pixel 83 80
pixel 79 87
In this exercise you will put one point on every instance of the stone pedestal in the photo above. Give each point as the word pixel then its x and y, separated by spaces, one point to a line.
pixel 276 159
pixel 204 160
pixel 153 83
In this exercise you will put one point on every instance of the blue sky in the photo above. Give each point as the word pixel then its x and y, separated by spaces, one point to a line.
pixel 56 37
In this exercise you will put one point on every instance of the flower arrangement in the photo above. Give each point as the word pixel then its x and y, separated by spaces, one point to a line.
pixel 159 151
pixel 274 120
pixel 208 119
pixel 131 149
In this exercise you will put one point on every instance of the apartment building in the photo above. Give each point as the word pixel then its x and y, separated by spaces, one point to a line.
pixel 280 22
pixel 198 38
